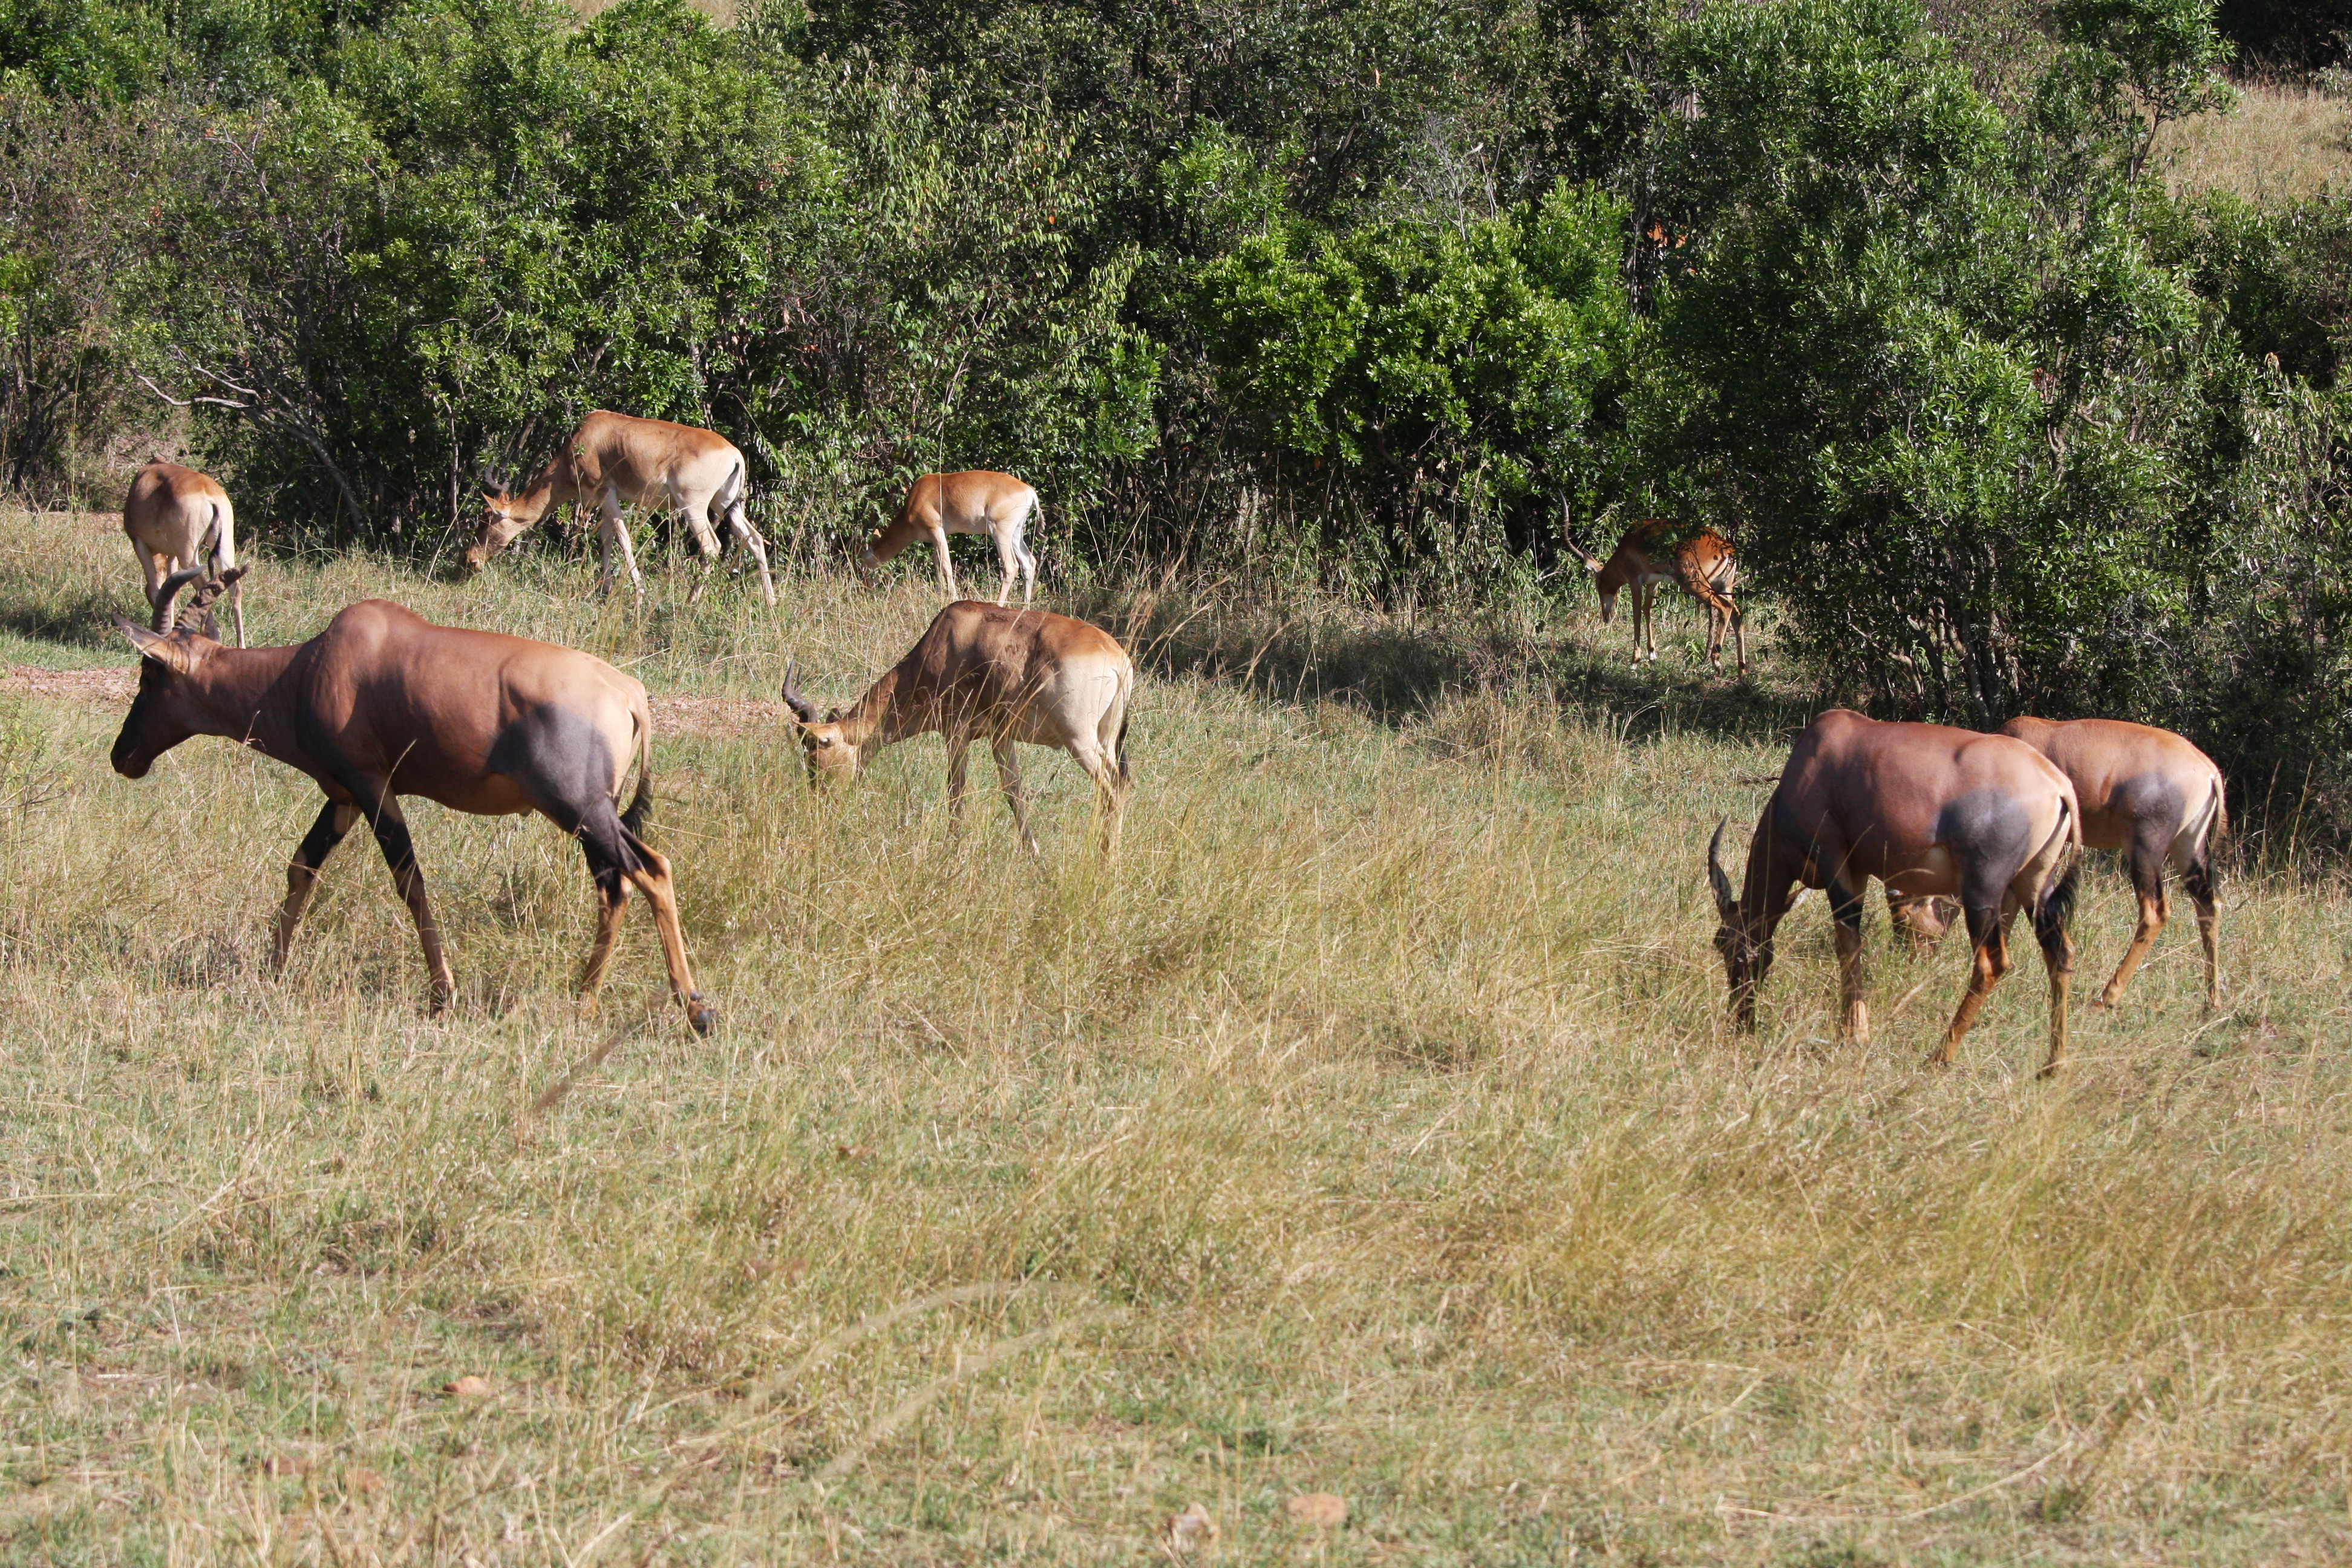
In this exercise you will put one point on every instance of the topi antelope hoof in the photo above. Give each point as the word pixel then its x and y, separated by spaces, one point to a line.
pixel 700 1013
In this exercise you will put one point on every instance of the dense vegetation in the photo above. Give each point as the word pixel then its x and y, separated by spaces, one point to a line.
pixel 1366 292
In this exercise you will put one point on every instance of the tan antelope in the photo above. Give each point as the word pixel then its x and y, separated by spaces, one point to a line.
pixel 177 516
pixel 978 502
pixel 1926 810
pixel 381 705
pixel 615 461
pixel 985 672
pixel 2152 794
pixel 1647 556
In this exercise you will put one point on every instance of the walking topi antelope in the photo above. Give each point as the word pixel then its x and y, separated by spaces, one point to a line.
pixel 383 704
pixel 615 461
pixel 978 502
pixel 1647 556
pixel 984 672
pixel 2152 794
pixel 1926 810
pixel 175 517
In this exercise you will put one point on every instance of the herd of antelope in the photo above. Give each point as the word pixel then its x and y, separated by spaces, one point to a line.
pixel 382 705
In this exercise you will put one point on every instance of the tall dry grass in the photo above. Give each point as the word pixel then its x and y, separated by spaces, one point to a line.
pixel 2281 142
pixel 1369 1126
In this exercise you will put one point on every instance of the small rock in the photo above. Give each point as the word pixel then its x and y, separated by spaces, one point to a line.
pixel 1191 1529
pixel 1322 1511
pixel 286 1465
pixel 359 1479
pixel 468 1387
pixel 852 1151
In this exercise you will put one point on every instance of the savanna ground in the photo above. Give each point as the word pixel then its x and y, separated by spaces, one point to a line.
pixel 1368 1127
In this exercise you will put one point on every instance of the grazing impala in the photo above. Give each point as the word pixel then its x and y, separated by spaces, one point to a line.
pixel 615 461
pixel 381 705
pixel 175 517
pixel 1926 810
pixel 2155 796
pixel 984 672
pixel 1647 556
pixel 976 502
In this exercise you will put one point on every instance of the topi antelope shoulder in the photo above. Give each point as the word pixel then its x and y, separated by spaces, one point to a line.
pixel 615 460
pixel 381 705
pixel 1927 810
pixel 977 501
pixel 176 518
pixel 984 672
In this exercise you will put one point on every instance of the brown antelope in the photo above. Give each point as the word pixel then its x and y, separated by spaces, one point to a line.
pixel 381 705
pixel 2152 794
pixel 978 502
pixel 985 672
pixel 615 461
pixel 1705 564
pixel 175 517
pixel 1927 810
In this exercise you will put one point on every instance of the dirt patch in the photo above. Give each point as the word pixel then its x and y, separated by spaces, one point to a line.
pixel 703 718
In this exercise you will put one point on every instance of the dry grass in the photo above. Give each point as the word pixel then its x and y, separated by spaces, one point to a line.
pixel 1368 1128
pixel 2281 143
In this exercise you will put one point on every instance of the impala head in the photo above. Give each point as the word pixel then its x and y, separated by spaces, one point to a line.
pixel 1747 951
pixel 172 648
pixel 505 515
pixel 825 748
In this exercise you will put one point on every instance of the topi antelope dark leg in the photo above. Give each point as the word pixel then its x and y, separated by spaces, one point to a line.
pixel 334 820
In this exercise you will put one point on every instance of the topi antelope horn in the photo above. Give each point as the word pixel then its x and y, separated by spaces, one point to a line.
pixel 803 708
pixel 167 607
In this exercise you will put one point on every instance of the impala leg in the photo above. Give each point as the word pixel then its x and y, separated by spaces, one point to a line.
pixel 946 566
pixel 2148 881
pixel 1111 793
pixel 1853 1008
pixel 654 880
pixel 958 756
pixel 334 820
pixel 1739 636
pixel 748 537
pixel 1008 556
pixel 1028 570
pixel 400 853
pixel 1008 774
pixel 2196 881
pixel 1989 939
pixel 616 539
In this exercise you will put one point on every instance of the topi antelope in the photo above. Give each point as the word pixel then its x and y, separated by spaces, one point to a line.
pixel 1647 556
pixel 978 502
pixel 381 705
pixel 984 672
pixel 2152 794
pixel 615 461
pixel 1926 810
pixel 175 517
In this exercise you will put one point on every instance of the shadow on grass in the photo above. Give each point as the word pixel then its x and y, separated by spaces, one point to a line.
pixel 76 617
pixel 1314 650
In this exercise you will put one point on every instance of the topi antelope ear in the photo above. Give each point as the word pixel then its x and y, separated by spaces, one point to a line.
pixel 154 646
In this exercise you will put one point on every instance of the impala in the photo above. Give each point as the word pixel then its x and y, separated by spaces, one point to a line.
pixel 2152 794
pixel 1648 555
pixel 984 672
pixel 381 705
pixel 978 502
pixel 615 461
pixel 176 516
pixel 1927 810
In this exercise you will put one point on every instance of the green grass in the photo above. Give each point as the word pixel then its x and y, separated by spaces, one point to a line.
pixel 1369 1126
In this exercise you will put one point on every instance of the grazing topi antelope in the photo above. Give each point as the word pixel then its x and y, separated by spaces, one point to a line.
pixel 1647 556
pixel 985 672
pixel 978 502
pixel 615 460
pixel 175 517
pixel 1926 810
pixel 2152 794
pixel 381 705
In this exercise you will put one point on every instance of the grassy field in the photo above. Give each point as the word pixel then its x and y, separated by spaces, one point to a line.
pixel 1369 1126
pixel 2282 142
